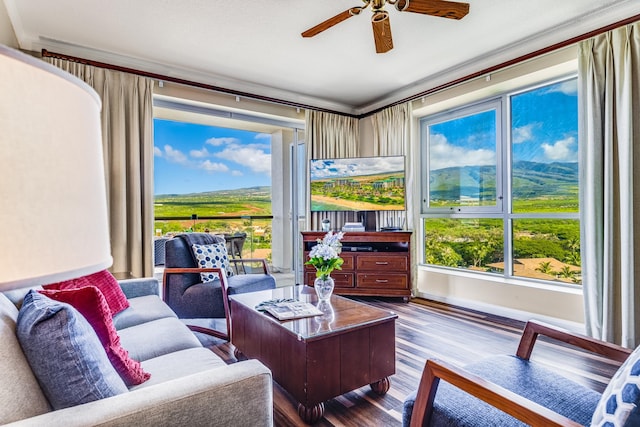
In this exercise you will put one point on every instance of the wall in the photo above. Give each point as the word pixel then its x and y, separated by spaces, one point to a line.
pixel 516 299
pixel 7 35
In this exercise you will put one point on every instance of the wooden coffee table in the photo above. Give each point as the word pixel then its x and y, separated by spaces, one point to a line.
pixel 317 358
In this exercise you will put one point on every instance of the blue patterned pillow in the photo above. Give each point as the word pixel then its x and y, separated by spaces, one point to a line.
pixel 212 256
pixel 65 353
pixel 619 403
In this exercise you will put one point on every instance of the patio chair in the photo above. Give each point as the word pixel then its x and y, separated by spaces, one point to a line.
pixel 516 391
pixel 204 306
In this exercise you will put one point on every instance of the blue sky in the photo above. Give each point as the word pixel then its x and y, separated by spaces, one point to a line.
pixel 543 129
pixel 339 168
pixel 193 158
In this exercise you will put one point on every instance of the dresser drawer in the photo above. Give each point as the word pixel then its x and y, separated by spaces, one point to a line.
pixel 382 280
pixel 348 263
pixel 341 280
pixel 382 263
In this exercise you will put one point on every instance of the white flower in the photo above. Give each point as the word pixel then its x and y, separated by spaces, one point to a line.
pixel 325 255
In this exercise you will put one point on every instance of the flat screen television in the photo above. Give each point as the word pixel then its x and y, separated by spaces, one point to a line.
pixel 358 184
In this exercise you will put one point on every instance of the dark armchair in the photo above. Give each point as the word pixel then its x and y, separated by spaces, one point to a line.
pixel 206 305
pixel 515 391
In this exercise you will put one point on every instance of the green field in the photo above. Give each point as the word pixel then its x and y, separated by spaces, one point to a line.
pixel 478 243
pixel 246 202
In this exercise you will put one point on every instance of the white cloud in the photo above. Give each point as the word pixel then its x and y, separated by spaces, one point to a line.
pixel 200 154
pixel 569 87
pixel 157 152
pixel 331 168
pixel 561 150
pixel 444 155
pixel 236 173
pixel 175 156
pixel 217 142
pixel 523 133
pixel 210 166
pixel 249 156
pixel 263 136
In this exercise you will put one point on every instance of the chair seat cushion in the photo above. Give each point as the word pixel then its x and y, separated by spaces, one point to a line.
pixel 241 283
pixel 454 407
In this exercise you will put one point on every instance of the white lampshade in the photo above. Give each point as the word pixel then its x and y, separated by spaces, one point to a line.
pixel 53 208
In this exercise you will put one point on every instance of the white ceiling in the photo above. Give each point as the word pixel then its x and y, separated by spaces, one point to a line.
pixel 255 45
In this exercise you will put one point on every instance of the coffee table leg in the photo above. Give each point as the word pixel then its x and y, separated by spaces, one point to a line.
pixel 311 414
pixel 381 387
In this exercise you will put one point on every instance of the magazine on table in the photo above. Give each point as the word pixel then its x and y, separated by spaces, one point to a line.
pixel 289 309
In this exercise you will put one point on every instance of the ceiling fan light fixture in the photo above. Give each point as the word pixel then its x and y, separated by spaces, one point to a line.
pixel 382 31
pixel 401 5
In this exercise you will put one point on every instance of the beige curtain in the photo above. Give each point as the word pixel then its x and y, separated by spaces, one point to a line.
pixel 127 137
pixel 329 136
pixel 609 84
pixel 392 137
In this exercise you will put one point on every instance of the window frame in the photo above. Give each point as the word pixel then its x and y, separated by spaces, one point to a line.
pixel 504 187
pixel 494 103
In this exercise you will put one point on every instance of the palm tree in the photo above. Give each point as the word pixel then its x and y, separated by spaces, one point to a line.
pixel 545 267
pixel 566 272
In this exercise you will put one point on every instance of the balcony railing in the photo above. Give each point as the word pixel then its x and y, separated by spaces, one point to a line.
pixel 257 228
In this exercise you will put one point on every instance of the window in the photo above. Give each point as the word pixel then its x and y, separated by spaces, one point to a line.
pixel 213 179
pixel 464 148
pixel 500 185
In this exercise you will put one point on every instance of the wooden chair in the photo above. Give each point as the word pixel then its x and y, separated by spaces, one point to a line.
pixel 204 306
pixel 484 392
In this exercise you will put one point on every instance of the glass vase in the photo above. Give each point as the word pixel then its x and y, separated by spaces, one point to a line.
pixel 324 287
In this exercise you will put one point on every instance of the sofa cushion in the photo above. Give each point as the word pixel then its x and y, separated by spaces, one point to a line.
pixel 619 403
pixel 212 256
pixel 156 338
pixel 90 302
pixel 20 394
pixel 141 310
pixel 64 353
pixel 454 407
pixel 179 364
pixel 102 280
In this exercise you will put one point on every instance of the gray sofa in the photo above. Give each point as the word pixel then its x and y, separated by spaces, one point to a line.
pixel 189 384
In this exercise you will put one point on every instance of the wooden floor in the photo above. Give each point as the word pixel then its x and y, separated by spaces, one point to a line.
pixel 431 330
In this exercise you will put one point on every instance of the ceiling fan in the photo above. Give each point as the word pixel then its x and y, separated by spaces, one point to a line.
pixel 380 18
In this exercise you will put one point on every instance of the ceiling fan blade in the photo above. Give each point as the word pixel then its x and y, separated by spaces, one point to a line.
pixel 382 32
pixel 442 8
pixel 325 25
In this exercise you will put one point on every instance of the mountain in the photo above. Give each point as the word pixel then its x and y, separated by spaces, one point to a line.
pixel 264 191
pixel 529 179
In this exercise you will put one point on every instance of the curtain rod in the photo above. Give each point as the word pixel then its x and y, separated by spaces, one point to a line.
pixel 492 69
pixel 48 54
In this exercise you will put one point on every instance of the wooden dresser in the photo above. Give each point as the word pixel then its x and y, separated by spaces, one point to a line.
pixel 376 263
